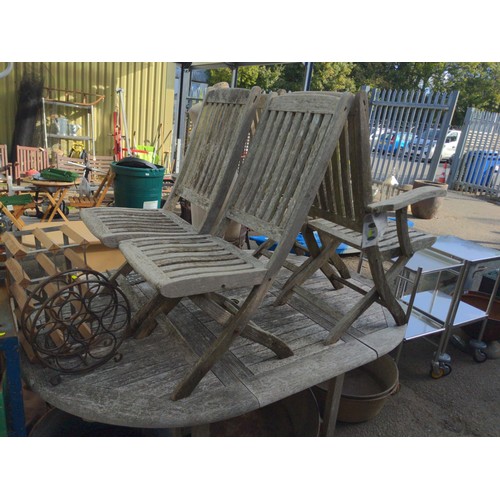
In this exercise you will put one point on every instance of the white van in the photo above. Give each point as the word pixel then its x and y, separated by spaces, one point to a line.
pixel 450 145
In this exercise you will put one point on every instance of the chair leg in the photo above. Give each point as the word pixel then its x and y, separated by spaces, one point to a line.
pixel 15 219
pixel 222 310
pixel 229 333
pixel 339 267
pixel 123 270
pixel 305 271
pixel 382 279
pixel 371 297
pixel 144 321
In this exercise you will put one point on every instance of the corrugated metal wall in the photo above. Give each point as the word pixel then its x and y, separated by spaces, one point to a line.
pixel 148 91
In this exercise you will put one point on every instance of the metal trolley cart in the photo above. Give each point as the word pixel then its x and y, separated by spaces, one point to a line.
pixel 427 286
pixel 477 261
pixel 432 286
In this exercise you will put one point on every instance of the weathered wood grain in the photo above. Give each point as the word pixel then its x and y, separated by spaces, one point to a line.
pixel 135 391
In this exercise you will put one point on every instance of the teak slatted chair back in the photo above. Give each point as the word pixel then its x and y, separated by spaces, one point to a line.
pixel 101 165
pixel 343 211
pixel 29 158
pixel 286 160
pixel 4 159
pixel 4 168
pixel 212 147
pixel 211 162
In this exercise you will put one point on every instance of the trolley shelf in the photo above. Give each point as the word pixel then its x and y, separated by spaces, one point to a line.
pixel 436 304
pixel 420 325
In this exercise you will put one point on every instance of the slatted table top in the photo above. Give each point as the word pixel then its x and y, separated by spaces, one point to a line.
pixel 135 391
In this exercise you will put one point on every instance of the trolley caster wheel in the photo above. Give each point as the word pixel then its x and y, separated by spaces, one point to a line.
pixel 442 371
pixel 479 356
pixel 55 380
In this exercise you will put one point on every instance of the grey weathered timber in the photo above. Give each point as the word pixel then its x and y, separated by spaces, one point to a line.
pixel 210 165
pixel 286 161
pixel 342 212
pixel 135 391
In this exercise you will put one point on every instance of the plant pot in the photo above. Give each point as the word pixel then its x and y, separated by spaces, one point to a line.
pixel 366 390
pixel 427 209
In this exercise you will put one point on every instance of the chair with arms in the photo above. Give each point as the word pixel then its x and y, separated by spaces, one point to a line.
pixel 343 212
pixel 286 161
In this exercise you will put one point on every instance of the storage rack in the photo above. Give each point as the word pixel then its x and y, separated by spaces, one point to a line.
pixel 440 309
pixel 429 310
pixel 80 108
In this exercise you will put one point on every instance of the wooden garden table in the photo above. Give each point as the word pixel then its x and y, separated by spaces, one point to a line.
pixel 55 192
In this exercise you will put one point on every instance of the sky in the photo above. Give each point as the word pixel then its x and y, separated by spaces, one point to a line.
pixel 249 31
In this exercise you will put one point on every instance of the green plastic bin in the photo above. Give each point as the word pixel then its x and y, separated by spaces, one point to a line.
pixel 137 187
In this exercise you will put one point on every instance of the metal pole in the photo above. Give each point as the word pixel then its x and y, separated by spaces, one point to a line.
pixel 124 117
pixel 234 77
pixel 308 77
pixel 185 85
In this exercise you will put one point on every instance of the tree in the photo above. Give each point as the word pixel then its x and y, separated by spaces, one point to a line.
pixel 477 82
pixel 249 76
pixel 290 77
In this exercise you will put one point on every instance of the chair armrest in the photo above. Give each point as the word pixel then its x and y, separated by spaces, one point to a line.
pixel 407 198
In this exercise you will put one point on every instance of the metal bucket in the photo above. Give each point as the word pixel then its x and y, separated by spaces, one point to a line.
pixel 365 390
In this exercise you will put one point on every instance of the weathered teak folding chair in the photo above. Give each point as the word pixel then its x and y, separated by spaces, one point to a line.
pixel 343 212
pixel 286 162
pixel 209 167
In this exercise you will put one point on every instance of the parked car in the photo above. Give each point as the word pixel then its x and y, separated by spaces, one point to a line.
pixel 424 147
pixel 480 166
pixel 394 142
